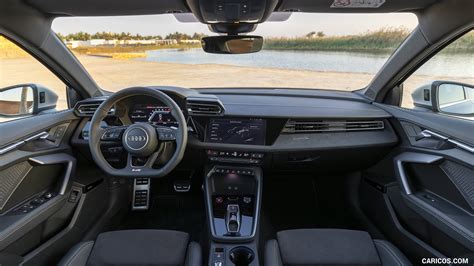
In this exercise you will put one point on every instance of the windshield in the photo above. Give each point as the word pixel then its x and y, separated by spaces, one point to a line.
pixel 310 50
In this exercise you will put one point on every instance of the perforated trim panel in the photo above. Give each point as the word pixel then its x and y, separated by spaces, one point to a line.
pixel 10 179
pixel 463 178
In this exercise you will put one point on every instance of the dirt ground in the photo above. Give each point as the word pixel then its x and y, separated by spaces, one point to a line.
pixel 115 74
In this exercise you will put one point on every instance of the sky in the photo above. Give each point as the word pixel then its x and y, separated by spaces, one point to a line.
pixel 298 24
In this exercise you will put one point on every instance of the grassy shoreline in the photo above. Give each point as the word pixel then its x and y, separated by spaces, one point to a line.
pixel 380 41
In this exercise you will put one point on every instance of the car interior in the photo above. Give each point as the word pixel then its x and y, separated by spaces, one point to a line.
pixel 166 175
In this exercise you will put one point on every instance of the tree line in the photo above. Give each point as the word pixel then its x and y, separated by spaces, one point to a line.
pixel 84 36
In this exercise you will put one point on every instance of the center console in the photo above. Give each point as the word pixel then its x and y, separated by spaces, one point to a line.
pixel 233 197
pixel 233 186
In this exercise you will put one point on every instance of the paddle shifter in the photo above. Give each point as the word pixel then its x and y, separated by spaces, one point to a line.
pixel 232 219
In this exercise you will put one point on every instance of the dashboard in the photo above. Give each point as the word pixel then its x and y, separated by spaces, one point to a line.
pixel 277 129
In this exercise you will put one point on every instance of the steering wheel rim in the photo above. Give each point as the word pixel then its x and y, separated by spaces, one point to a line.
pixel 96 133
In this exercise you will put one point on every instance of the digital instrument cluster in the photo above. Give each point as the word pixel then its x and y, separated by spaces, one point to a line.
pixel 153 114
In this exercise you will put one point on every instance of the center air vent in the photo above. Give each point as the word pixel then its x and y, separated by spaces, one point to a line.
pixel 88 109
pixel 204 108
pixel 301 126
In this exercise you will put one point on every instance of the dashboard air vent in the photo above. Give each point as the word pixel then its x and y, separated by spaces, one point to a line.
pixel 204 108
pixel 301 126
pixel 88 109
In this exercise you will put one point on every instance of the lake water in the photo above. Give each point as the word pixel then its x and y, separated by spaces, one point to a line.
pixel 453 65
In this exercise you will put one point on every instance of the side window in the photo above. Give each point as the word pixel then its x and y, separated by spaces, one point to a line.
pixel 26 86
pixel 445 83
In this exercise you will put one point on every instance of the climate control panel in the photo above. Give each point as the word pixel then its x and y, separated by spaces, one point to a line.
pixel 235 157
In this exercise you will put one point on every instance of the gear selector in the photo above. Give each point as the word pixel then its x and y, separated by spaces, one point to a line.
pixel 233 219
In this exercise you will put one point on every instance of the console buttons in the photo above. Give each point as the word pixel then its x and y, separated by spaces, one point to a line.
pixel 234 171
pixel 235 157
pixel 219 200
pixel 233 208
pixel 219 257
pixel 232 198
pixel 212 153
pixel 247 200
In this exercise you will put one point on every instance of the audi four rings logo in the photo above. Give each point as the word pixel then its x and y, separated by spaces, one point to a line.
pixel 136 138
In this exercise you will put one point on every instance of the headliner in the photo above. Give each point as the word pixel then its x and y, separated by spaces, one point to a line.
pixel 147 7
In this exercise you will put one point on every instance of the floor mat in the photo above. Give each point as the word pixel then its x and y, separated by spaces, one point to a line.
pixel 303 202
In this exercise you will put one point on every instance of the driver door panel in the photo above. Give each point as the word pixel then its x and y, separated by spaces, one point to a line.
pixel 36 175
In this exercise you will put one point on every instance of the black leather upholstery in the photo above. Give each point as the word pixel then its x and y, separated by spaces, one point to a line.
pixel 136 247
pixel 330 247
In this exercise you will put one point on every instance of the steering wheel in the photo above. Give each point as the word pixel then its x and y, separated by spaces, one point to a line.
pixel 140 140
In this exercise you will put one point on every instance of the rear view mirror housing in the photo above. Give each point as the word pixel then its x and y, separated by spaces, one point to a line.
pixel 26 99
pixel 232 44
pixel 446 97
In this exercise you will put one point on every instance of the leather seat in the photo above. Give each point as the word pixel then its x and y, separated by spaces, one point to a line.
pixel 136 247
pixel 330 247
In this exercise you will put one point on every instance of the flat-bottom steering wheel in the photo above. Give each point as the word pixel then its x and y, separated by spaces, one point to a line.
pixel 140 140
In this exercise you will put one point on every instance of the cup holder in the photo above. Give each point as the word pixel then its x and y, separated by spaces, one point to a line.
pixel 241 256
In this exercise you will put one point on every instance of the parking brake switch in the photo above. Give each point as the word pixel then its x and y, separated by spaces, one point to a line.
pixel 233 218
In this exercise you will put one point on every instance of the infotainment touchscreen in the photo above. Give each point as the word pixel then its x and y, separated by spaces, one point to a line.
pixel 236 131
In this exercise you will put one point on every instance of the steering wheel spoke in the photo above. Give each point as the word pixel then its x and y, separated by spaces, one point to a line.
pixel 166 134
pixel 112 133
pixel 148 162
pixel 151 159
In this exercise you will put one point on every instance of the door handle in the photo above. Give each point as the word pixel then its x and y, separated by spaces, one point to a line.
pixel 430 134
pixel 14 146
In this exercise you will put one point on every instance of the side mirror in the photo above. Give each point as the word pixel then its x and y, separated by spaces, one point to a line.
pixel 445 97
pixel 232 44
pixel 26 99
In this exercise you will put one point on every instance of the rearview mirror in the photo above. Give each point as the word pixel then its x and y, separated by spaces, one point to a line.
pixel 26 99
pixel 446 97
pixel 232 44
